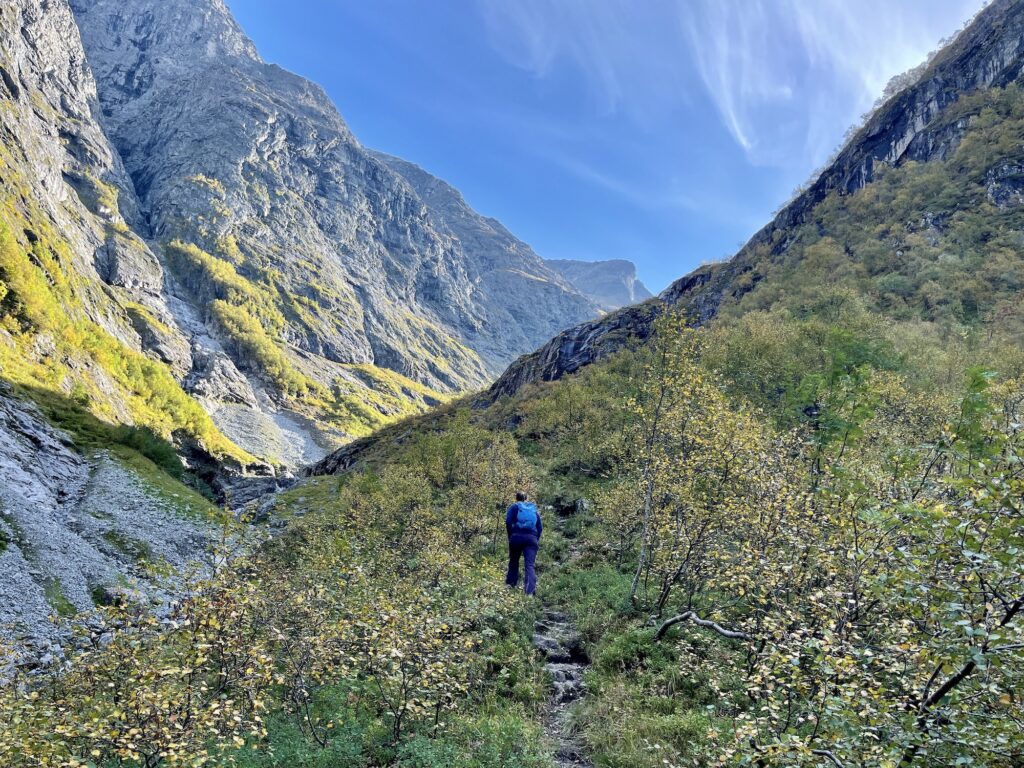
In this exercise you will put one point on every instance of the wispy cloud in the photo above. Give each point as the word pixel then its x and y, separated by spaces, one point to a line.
pixel 618 46
pixel 780 73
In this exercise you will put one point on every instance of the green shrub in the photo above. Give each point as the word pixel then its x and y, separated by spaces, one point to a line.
pixel 496 739
pixel 633 650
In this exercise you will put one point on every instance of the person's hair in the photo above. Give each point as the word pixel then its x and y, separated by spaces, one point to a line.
pixel 520 495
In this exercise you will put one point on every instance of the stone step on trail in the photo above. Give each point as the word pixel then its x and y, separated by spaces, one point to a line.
pixel 565 661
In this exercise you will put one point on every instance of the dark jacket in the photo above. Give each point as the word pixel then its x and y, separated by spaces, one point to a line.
pixel 512 515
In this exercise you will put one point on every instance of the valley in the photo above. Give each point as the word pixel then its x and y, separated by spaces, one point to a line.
pixel 264 406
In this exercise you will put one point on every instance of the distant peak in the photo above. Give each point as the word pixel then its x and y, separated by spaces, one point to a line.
pixel 612 283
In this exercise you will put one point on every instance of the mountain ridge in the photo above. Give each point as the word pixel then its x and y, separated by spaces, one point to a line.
pixel 316 238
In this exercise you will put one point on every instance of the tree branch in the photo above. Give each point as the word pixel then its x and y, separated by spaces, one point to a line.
pixel 831 758
pixel 732 634
pixel 952 682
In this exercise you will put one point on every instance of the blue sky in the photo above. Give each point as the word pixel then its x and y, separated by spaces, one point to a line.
pixel 661 131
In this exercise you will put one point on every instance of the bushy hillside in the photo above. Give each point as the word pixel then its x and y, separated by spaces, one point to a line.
pixel 770 570
pixel 936 241
pixel 804 541
pixel 819 560
pixel 373 630
pixel 801 542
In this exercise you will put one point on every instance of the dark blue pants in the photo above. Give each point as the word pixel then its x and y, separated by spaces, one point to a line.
pixel 525 546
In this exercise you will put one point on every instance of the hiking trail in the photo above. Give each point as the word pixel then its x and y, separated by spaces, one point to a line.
pixel 565 660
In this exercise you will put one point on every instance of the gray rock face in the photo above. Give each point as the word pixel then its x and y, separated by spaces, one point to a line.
pixel 59 162
pixel 908 127
pixel 59 157
pixel 190 136
pixel 516 286
pixel 577 347
pixel 1006 186
pixel 76 528
pixel 225 149
pixel 988 53
pixel 611 284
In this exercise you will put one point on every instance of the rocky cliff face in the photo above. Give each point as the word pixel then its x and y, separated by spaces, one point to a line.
pixel 225 222
pixel 255 167
pixel 920 124
pixel 507 274
pixel 82 301
pixel 60 170
pixel 612 283
pixel 990 52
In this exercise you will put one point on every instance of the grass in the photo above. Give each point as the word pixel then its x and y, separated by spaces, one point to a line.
pixel 55 597
pixel 646 706
pixel 496 737
pixel 126 545
pixel 142 315
pixel 496 725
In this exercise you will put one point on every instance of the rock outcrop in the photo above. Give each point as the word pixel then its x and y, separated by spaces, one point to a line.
pixel 57 159
pixel 508 274
pixel 577 347
pixel 611 284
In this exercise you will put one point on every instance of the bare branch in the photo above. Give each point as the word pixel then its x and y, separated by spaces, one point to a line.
pixel 831 758
pixel 732 634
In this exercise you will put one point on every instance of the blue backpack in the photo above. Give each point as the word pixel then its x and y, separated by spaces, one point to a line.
pixel 525 517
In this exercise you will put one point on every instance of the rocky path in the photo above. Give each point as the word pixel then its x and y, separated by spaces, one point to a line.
pixel 565 661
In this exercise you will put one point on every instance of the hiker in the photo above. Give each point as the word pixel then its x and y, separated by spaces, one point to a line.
pixel 522 521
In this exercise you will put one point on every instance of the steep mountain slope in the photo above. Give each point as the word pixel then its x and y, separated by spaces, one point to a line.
pixel 612 283
pixel 305 253
pixel 77 528
pixel 935 234
pixel 517 288
pixel 85 332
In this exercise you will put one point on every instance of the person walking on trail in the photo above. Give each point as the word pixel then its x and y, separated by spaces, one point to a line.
pixel 522 521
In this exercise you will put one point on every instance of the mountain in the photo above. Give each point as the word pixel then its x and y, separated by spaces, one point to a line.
pixel 790 537
pixel 83 499
pixel 511 276
pixel 300 288
pixel 206 281
pixel 304 267
pixel 946 141
pixel 612 283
